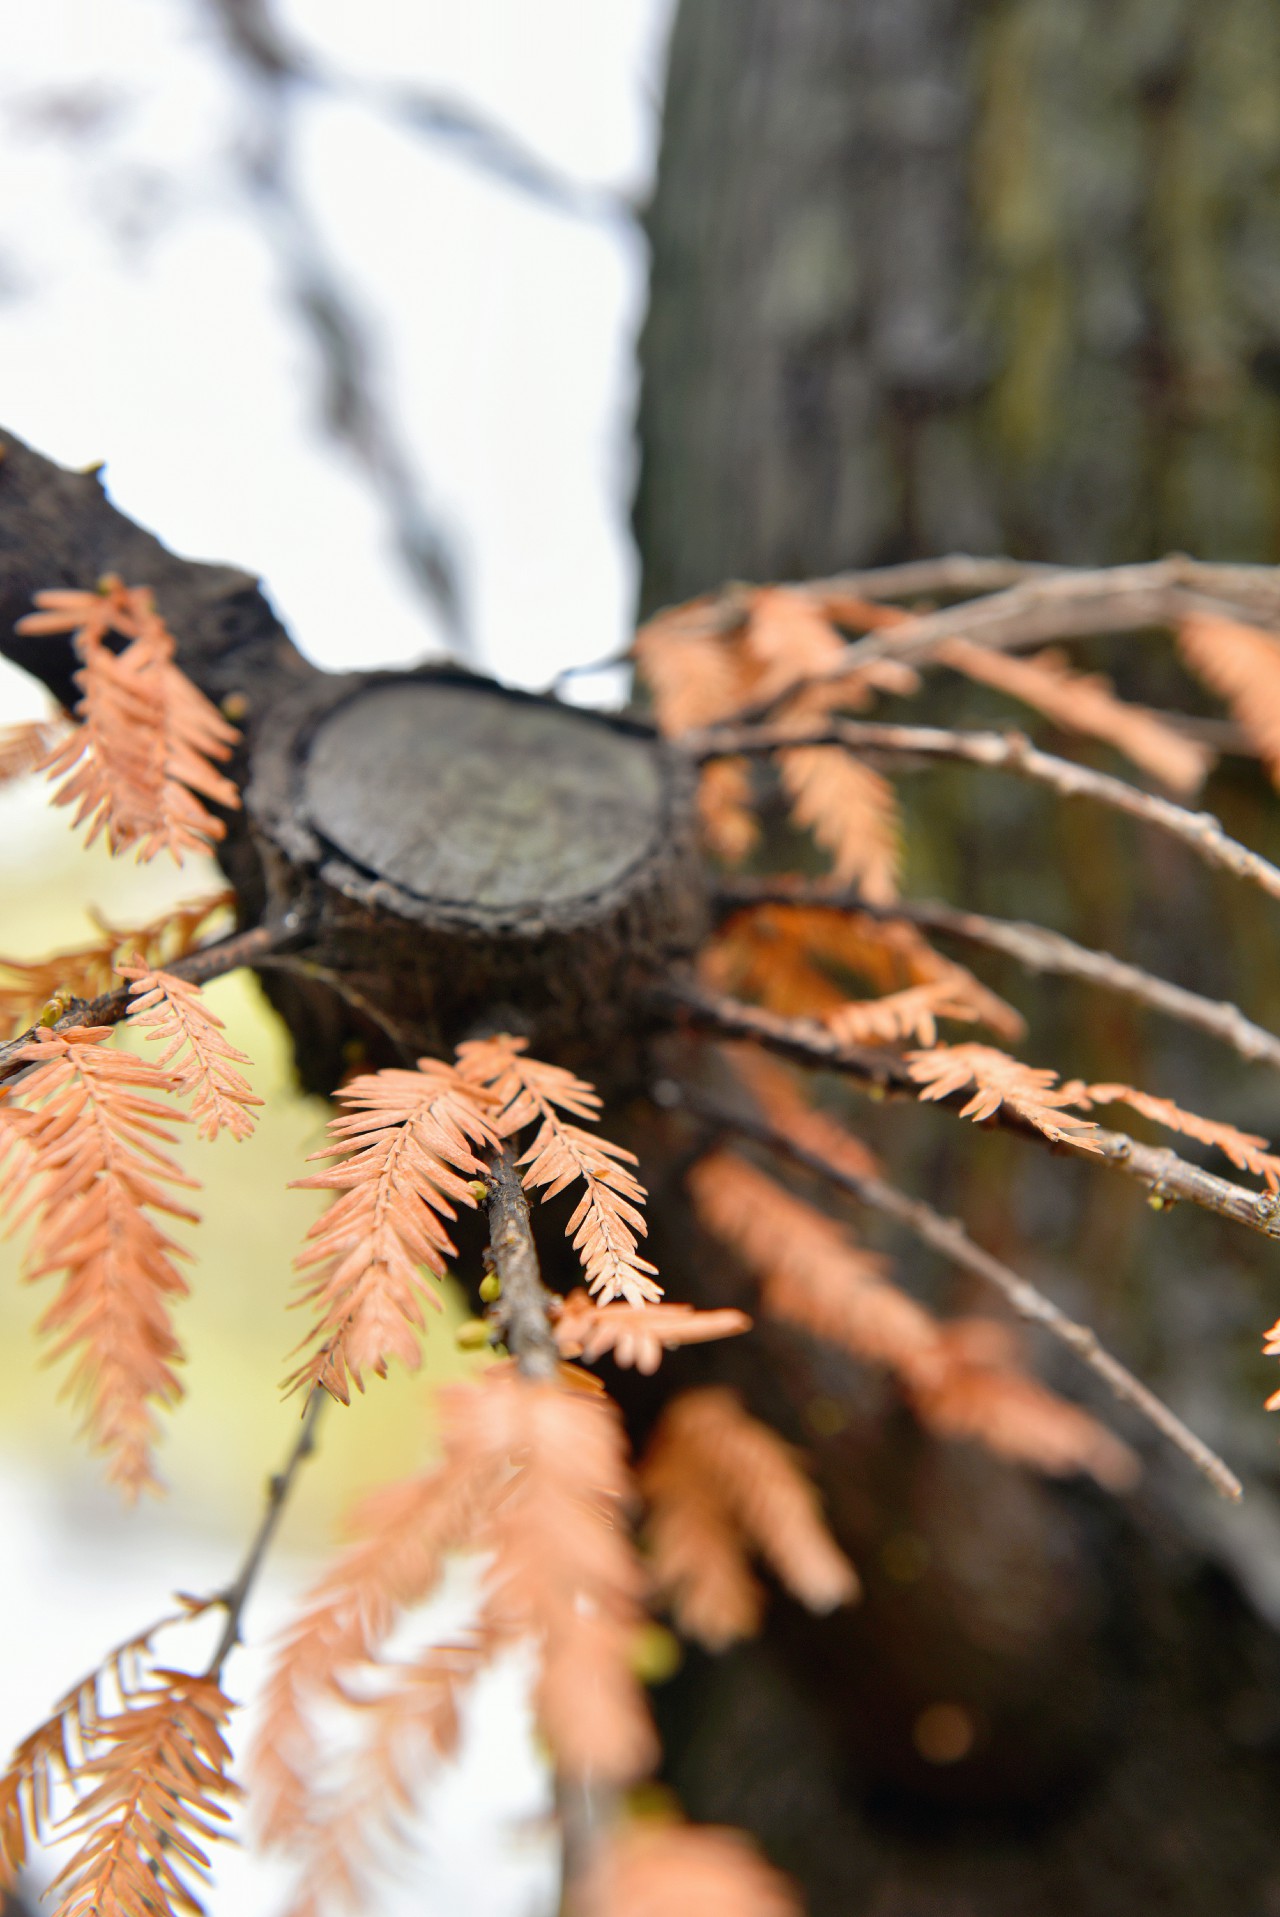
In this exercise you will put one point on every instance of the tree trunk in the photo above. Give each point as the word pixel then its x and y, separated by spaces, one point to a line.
pixel 449 851
pixel 1000 276
pixel 975 275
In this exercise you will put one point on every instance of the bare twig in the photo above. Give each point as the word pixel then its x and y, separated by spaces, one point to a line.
pixel 298 965
pixel 954 575
pixel 1014 605
pixel 948 1237
pixel 279 1486
pixel 253 947
pixel 1064 605
pixel 522 1310
pixel 1168 1178
pixel 1003 752
pixel 586 1808
pixel 355 411
pixel 1036 949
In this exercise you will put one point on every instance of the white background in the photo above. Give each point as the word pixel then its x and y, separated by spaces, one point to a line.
pixel 141 324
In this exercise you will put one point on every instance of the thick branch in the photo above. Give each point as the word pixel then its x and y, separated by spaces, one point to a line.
pixel 278 1488
pixel 58 528
pixel 948 1237
pixel 1168 1178
pixel 523 1307
pixel 1036 949
pixel 1002 752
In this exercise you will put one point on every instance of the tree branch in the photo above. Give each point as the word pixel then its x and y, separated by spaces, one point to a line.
pixel 949 1238
pixel 585 1807
pixel 278 1488
pixel 1168 1178
pixel 206 962
pixel 522 1310
pixel 1007 604
pixel 1036 949
pixel 1002 752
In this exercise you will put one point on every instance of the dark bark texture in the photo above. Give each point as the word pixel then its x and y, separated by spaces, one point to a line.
pixel 975 275
pixel 452 852
pixel 1001 276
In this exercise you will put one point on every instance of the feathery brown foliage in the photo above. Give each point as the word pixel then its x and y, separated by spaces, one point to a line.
pixel 1242 665
pixel 533 1481
pixel 683 1871
pixel 961 1379
pixel 406 1145
pixel 606 1222
pixel 87 1120
pixel 637 1334
pixel 144 756
pixel 720 1484
pixel 25 748
pixel 172 1012
pixel 138 1750
pixel 702 670
pixel 400 1538
pixel 92 969
pixel 1031 1091
pixel 1084 702
pixel 787 956
pixel 1245 1150
pixel 1035 1095
pixel 524 1462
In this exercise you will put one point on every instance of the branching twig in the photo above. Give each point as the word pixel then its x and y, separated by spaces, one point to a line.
pixel 1036 949
pixel 948 1237
pixel 278 1488
pixel 1014 605
pixel 523 1307
pixel 207 962
pixel 1168 1178
pixel 1003 752
pixel 355 412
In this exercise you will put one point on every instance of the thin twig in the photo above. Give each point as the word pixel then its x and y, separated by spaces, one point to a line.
pixel 1168 1178
pixel 298 965
pixel 586 1808
pixel 206 962
pixel 524 1300
pixel 954 575
pixel 949 1237
pixel 1035 605
pixel 1048 603
pixel 278 1488
pixel 1002 752
pixel 355 411
pixel 1036 949
pixel 1064 605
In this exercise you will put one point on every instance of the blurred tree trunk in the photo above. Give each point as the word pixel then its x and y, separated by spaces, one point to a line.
pixel 986 275
pixel 1000 276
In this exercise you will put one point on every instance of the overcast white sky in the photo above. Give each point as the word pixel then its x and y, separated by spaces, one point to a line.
pixel 140 319
pixel 141 324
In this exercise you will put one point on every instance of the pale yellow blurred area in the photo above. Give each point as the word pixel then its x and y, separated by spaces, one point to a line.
pixel 233 1426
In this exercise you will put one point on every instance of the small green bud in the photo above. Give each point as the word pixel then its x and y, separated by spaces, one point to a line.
pixel 655 1653
pixel 479 1190
pixel 491 1287
pixel 473 1334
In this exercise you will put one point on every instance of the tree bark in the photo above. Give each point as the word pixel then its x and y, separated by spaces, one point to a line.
pixel 975 275
pixel 456 853
pixel 987 275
